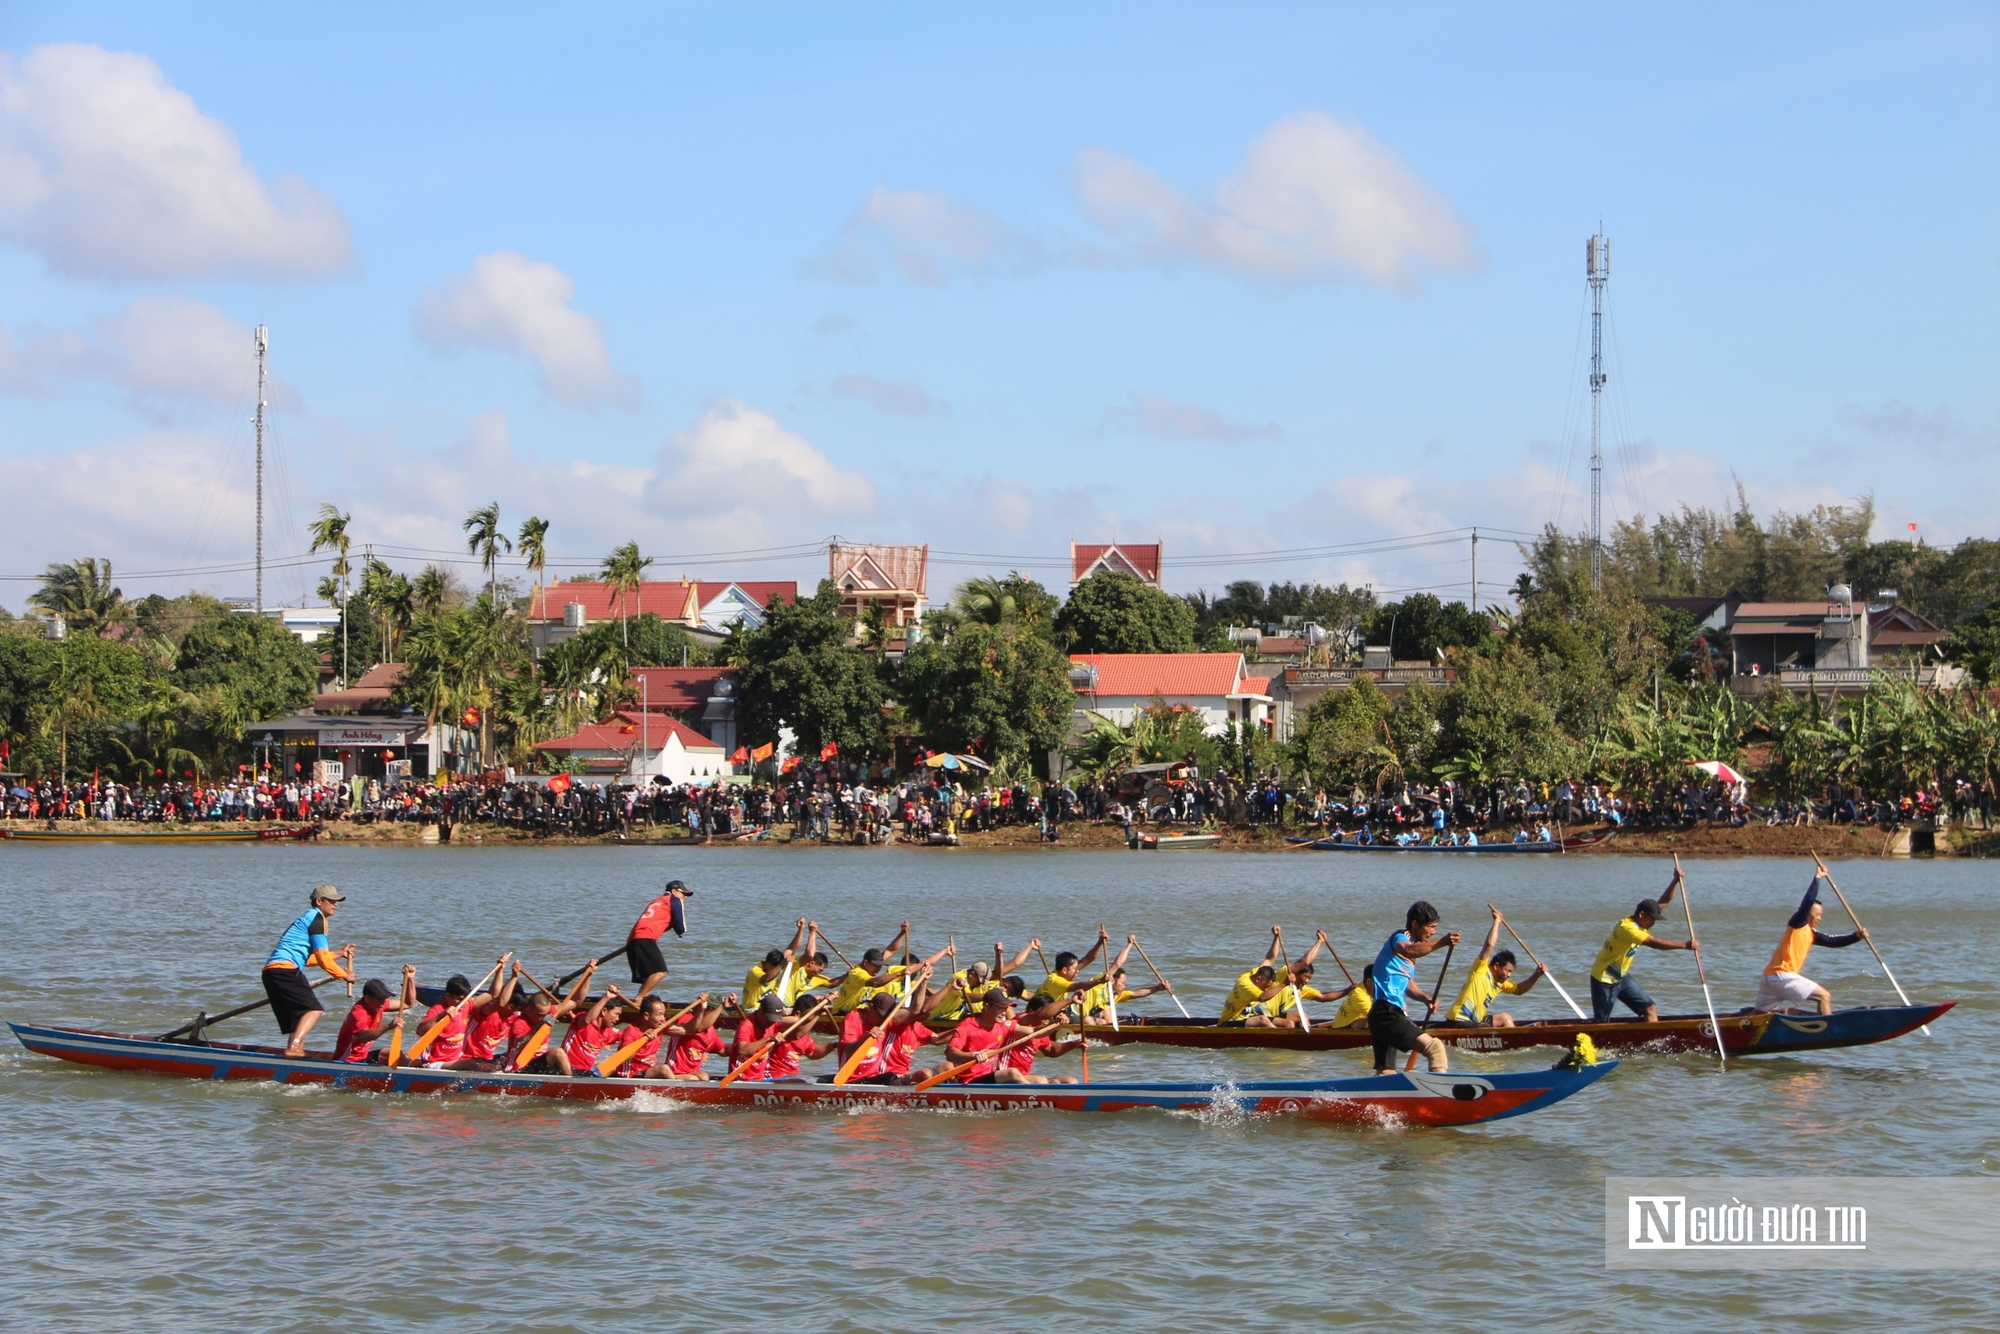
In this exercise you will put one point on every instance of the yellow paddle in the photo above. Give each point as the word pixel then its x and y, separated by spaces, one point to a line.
pixel 610 1064
pixel 952 1072
pixel 768 1042
pixel 424 1041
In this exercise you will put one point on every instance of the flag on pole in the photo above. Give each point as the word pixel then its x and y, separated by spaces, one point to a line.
pixel 829 750
pixel 763 752
pixel 559 784
pixel 740 755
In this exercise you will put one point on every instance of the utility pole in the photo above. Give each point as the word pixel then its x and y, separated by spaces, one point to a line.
pixel 1597 268
pixel 263 341
pixel 1475 569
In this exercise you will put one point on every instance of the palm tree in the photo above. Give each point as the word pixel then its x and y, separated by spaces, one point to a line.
pixel 534 549
pixel 431 593
pixel 484 539
pixel 390 595
pixel 82 595
pixel 624 570
pixel 986 600
pixel 329 531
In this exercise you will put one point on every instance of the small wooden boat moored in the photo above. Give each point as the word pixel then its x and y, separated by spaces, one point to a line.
pixel 1414 1098
pixel 1742 1034
pixel 166 834
pixel 1175 842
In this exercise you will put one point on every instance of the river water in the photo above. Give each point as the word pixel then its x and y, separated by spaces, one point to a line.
pixel 138 1202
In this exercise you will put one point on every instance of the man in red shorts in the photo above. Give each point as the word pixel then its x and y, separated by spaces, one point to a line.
pixel 642 947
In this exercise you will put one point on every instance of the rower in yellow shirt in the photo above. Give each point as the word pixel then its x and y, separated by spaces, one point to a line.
pixel 1060 979
pixel 1492 975
pixel 766 974
pixel 1353 1012
pixel 1610 976
pixel 1253 989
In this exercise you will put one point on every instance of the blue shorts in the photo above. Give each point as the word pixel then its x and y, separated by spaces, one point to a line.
pixel 1604 995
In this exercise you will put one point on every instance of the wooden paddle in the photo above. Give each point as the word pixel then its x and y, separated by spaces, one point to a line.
pixel 609 1067
pixel 1285 957
pixel 952 1072
pixel 836 951
pixel 1162 981
pixel 569 977
pixel 767 1042
pixel 1687 907
pixel 1538 963
pixel 1828 875
pixel 862 1049
pixel 204 1021
pixel 1431 1009
pixel 423 1042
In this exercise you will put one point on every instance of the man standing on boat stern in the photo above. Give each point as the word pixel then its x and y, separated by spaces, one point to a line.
pixel 642 947
pixel 1394 983
pixel 1611 976
pixel 1785 983
pixel 305 942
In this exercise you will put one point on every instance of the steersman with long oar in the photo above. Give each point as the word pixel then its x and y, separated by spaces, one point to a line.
pixel 1784 982
pixel 1611 975
pixel 1863 932
pixel 305 943
pixel 1394 982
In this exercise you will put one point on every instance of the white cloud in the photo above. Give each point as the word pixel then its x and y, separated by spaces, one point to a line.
pixel 164 350
pixel 1313 200
pixel 902 398
pixel 737 469
pixel 925 237
pixel 108 171
pixel 1169 419
pixel 514 304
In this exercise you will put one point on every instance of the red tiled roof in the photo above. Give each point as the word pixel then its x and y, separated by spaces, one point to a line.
pixel 679 689
pixel 879 568
pixel 668 598
pixel 623 731
pixel 1143 561
pixel 1275 644
pixel 368 695
pixel 1253 685
pixel 1169 674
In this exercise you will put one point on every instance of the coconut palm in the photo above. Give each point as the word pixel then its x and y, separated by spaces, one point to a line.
pixel 390 595
pixel 534 548
pixel 329 532
pixel 624 570
pixel 484 539
pixel 82 594
pixel 432 590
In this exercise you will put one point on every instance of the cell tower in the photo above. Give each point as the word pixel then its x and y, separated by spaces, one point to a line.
pixel 1597 268
pixel 263 341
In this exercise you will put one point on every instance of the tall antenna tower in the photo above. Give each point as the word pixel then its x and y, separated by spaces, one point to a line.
pixel 263 340
pixel 1597 267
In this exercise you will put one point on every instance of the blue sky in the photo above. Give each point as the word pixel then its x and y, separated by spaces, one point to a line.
pixel 735 279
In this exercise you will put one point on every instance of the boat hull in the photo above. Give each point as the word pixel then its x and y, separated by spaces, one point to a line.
pixel 1178 842
pixel 1742 1034
pixel 1415 1098
pixel 1574 843
pixel 279 835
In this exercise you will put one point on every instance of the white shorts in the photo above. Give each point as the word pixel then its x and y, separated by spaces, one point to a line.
pixel 1780 990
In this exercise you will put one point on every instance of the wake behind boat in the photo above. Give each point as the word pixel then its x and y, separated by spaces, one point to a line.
pixel 1410 1098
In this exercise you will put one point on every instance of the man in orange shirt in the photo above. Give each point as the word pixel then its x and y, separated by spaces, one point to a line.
pixel 1785 983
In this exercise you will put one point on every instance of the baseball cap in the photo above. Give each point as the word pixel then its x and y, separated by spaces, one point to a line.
pixel 772 1005
pixel 329 893
pixel 1650 907
pixel 677 887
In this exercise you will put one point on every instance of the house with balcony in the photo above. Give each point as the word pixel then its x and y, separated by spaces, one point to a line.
pixel 707 608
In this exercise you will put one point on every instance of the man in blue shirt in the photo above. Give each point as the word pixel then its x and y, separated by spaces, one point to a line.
pixel 1394 982
pixel 305 942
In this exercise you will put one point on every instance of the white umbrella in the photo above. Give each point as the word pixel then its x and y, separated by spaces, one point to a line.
pixel 1719 769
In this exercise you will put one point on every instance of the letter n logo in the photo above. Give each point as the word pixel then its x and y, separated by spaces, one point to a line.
pixel 1653 1222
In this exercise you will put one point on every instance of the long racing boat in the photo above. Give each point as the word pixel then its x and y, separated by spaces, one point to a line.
pixel 1573 843
pixel 166 834
pixel 1414 1098
pixel 1742 1034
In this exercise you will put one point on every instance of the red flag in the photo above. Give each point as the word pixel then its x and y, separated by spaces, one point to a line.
pixel 764 752
pixel 829 750
pixel 791 763
pixel 470 718
pixel 559 784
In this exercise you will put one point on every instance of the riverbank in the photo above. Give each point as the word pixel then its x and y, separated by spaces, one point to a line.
pixel 1755 840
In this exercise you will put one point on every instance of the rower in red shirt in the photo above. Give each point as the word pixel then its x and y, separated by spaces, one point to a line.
pixel 781 1060
pixel 642 947
pixel 368 1019
pixel 879 1023
pixel 590 1035
pixel 694 1043
pixel 991 1027
pixel 494 1024
pixel 1018 1065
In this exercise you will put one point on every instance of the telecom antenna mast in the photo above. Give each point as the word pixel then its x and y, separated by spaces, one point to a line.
pixel 263 340
pixel 1597 267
